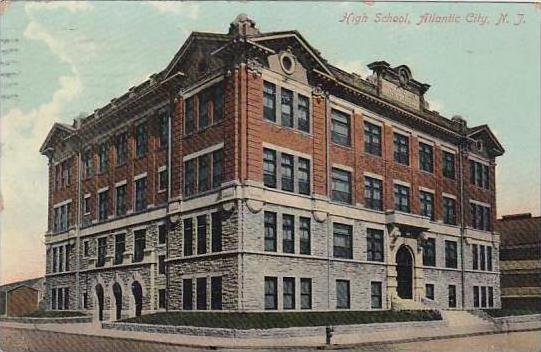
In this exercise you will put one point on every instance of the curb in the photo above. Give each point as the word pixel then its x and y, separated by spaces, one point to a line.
pixel 318 347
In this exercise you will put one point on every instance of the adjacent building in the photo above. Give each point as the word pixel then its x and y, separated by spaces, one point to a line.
pixel 251 174
pixel 520 260
pixel 22 297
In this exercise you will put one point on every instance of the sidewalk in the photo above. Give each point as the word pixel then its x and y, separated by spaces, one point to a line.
pixel 339 340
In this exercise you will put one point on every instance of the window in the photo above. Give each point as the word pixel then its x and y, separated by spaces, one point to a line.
pixel 372 138
pixel 489 258
pixel 401 149
pixel 86 205
pixel 60 259
pixel 269 101
pixel 305 241
pixel 53 298
pixel 426 157
pixel 483 296
pixel 203 173
pixel 216 293
pixel 306 293
pixel 162 234
pixel 55 260
pixel 303 110
pixel 342 294
pixel 88 164
pixel 480 217
pixel 476 296
pixel 287 108
pixel 269 168
pixel 270 231
pixel 475 256
pixel 218 106
pixel 479 174
pixel 120 247
pixel 121 147
pixel 102 205
pixel 86 248
pixel 342 241
pixel 141 194
pixel 85 300
pixel 187 294
pixel 490 297
pixel 141 140
pixel 482 259
pixel 62 215
pixel 162 180
pixel 427 204
pixel 163 128
pixel 204 109
pixel 375 294
pixel 340 128
pixel 217 168
pixel 121 200
pixel 304 176
pixel 448 165
pixel 287 172
pixel 289 293
pixel 341 186
pixel 189 125
pixel 288 232
pixel 202 234
pixel 161 264
pixel 103 159
pixel 402 198
pixel 188 237
pixel 429 291
pixel 450 254
pixel 216 242
pixel 271 293
pixel 139 245
pixel 189 177
pixel 429 252
pixel 373 193
pixel 452 296
pixel 374 239
pixel 161 298
pixel 449 211
pixel 102 251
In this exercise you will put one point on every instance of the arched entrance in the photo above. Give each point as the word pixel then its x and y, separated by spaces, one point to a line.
pixel 137 292
pixel 404 270
pixel 117 292
pixel 99 296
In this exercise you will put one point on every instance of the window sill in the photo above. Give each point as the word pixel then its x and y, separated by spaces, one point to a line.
pixel 379 156
pixel 292 129
pixel 347 147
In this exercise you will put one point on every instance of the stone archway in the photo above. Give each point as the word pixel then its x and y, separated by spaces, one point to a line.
pixel 117 294
pixel 137 292
pixel 100 300
pixel 404 273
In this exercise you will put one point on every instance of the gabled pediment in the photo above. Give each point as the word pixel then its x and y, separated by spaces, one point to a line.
pixel 489 140
pixel 58 133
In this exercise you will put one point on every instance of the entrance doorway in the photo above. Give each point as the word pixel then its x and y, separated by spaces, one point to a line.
pixel 404 270
pixel 117 292
pixel 99 296
pixel 137 292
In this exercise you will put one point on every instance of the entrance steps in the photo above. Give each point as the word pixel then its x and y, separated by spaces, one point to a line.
pixel 463 318
pixel 407 304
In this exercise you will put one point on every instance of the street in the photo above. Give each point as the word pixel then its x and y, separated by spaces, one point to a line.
pixel 16 340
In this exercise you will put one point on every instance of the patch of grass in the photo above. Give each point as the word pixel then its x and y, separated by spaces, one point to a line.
pixel 268 320
pixel 507 312
pixel 54 314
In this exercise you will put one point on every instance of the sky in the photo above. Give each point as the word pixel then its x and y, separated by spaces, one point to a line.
pixel 63 59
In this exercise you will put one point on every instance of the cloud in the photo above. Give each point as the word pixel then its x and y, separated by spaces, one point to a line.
pixel 24 171
pixel 186 9
pixel 354 66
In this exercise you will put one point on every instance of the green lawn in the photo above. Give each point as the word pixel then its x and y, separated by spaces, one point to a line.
pixel 55 314
pixel 506 312
pixel 269 320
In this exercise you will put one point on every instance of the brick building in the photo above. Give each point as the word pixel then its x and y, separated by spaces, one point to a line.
pixel 21 297
pixel 520 260
pixel 252 174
